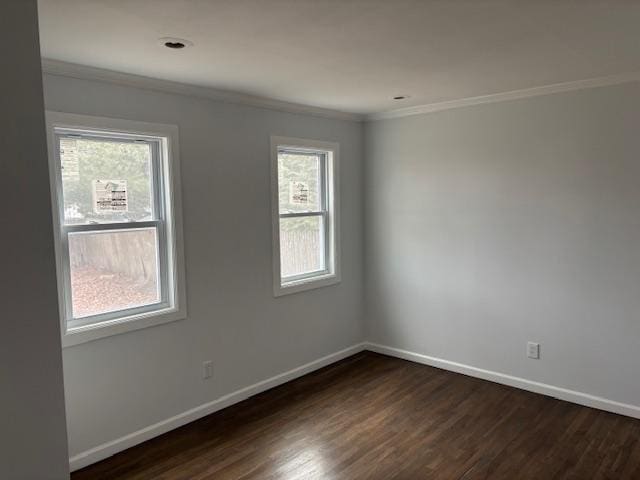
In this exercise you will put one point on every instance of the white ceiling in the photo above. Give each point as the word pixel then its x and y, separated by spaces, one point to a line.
pixel 350 55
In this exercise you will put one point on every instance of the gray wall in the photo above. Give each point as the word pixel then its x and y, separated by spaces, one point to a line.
pixel 33 437
pixel 120 384
pixel 492 225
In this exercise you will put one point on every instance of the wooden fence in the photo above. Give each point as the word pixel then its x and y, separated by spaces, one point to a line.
pixel 299 251
pixel 133 253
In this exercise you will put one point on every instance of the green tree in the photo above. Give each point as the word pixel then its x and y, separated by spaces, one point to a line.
pixel 107 160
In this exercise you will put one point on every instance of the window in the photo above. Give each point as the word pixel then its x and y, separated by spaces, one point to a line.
pixel 115 189
pixel 305 214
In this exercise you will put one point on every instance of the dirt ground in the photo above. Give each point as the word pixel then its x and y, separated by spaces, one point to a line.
pixel 96 291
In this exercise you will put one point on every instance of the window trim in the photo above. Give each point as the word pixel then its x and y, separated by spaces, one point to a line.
pixel 174 306
pixel 158 223
pixel 329 212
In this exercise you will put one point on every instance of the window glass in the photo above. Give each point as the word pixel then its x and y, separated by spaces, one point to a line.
pixel 299 182
pixel 113 270
pixel 301 245
pixel 105 181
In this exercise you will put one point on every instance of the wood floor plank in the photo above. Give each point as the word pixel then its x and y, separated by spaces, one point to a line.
pixel 375 417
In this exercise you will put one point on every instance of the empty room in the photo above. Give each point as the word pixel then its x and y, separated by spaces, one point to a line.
pixel 320 240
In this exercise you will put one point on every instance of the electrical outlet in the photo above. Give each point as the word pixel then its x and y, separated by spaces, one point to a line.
pixel 207 369
pixel 533 350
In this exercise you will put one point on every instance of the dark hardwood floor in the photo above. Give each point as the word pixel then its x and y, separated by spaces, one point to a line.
pixel 375 417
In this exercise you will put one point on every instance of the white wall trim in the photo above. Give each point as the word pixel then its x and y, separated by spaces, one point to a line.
pixel 108 449
pixel 542 388
pixel 511 95
pixel 85 72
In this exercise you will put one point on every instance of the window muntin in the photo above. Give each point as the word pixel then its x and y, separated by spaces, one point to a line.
pixel 113 226
pixel 305 213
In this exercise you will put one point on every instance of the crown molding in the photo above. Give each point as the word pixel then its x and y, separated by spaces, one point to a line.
pixel 511 95
pixel 84 72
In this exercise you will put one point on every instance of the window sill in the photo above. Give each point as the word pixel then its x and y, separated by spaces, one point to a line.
pixel 88 333
pixel 306 284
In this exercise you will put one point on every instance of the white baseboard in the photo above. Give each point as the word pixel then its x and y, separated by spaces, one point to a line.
pixel 108 449
pixel 550 390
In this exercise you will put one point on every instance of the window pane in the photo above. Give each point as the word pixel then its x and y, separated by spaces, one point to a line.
pixel 301 245
pixel 105 181
pixel 113 270
pixel 299 184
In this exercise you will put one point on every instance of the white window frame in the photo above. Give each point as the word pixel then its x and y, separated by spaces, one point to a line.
pixel 330 211
pixel 170 237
